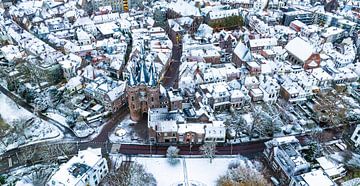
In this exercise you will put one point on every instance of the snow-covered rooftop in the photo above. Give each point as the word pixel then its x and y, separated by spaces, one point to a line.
pixel 299 48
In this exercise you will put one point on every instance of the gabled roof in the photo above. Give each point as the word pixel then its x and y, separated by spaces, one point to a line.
pixel 242 52
pixel 300 48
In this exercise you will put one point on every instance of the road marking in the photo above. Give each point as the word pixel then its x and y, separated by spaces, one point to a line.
pixel 186 179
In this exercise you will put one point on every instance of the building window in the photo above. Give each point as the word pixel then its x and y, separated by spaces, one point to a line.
pixel 132 98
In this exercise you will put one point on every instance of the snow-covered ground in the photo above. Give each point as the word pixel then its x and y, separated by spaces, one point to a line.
pixel 37 131
pixel 127 132
pixel 10 111
pixel 198 170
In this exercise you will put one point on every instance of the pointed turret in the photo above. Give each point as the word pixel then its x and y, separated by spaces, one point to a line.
pixel 152 80
pixel 132 80
pixel 143 76
pixel 152 68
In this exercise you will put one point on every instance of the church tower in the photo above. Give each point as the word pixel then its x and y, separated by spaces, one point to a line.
pixel 143 90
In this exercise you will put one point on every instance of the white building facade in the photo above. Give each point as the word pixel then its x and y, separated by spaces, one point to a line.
pixel 87 168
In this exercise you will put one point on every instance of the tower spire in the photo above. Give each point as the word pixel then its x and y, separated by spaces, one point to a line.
pixel 132 80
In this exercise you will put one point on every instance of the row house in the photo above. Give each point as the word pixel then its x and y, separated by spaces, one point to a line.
pixel 256 94
pixel 84 38
pixel 202 52
pixel 198 133
pixel 333 34
pixel 292 92
pixel 253 67
pixel 218 95
pixel 284 157
pixel 88 167
pixel 341 59
pixel 251 82
pixel 342 75
pixel 270 89
pixel 258 25
pixel 221 73
pixel 219 14
pixel 241 54
pixel 222 96
pixel 308 83
pixel 175 100
pixel 181 8
pixel 191 133
pixel 237 98
pixel 227 41
pixel 115 98
pixel 323 78
pixel 246 4
pixel 162 125
pixel 256 45
pixel 170 127
pixel 108 92
pixel 70 64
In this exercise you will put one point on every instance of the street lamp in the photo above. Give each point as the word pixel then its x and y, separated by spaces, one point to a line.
pixel 190 146
pixel 150 148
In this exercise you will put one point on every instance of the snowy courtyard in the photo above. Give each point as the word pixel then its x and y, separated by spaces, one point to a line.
pixel 198 171
pixel 124 132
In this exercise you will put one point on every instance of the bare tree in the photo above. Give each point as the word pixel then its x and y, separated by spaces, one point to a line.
pixel 4 128
pixel 209 150
pixel 284 108
pixel 330 108
pixel 28 69
pixel 262 122
pixel 237 123
pixel 41 104
pixel 40 175
pixel 172 153
pixel 50 152
pixel 132 175
pixel 242 175
pixel 19 127
pixel 27 154
pixel 274 120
